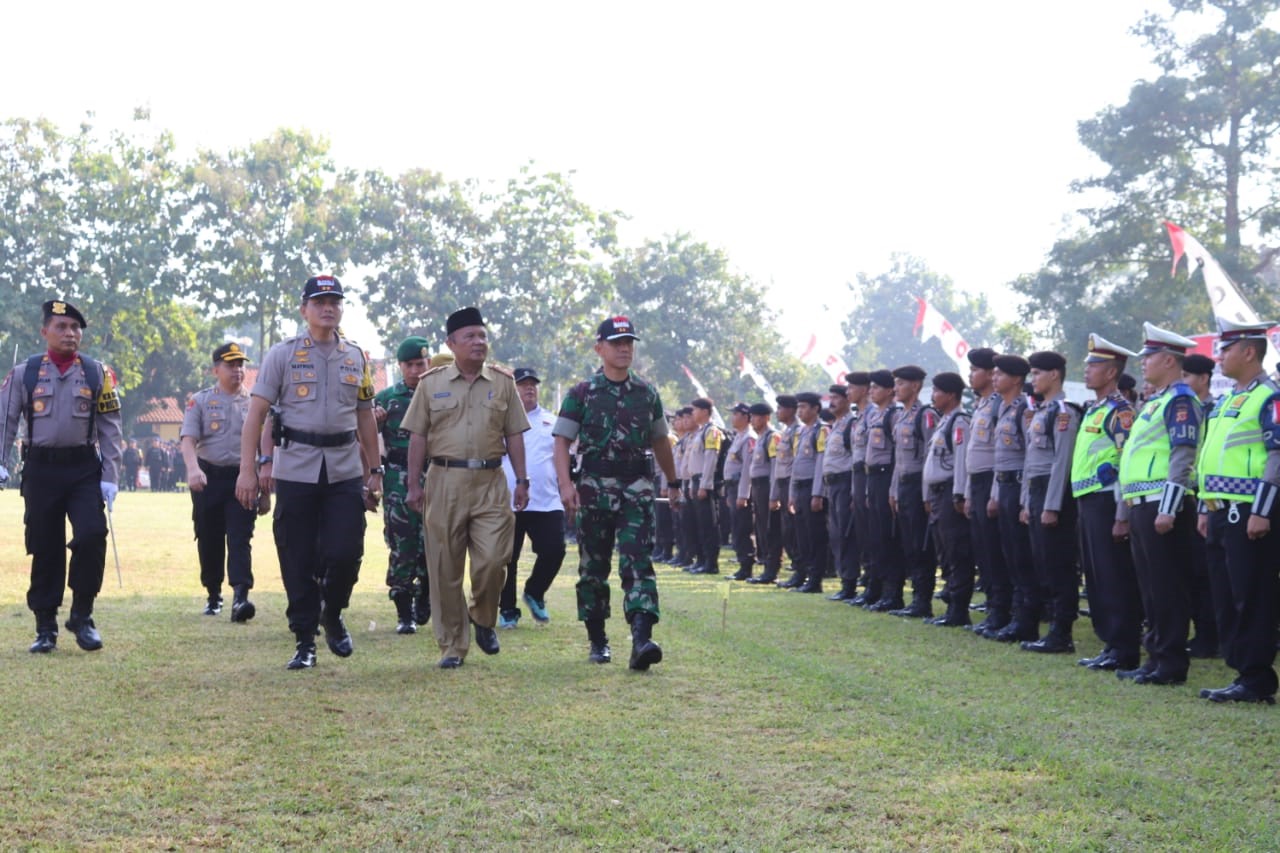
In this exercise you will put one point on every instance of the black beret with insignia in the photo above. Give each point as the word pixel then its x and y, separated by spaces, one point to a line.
pixel 62 308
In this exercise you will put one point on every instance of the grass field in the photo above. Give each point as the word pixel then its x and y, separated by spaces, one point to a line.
pixel 777 721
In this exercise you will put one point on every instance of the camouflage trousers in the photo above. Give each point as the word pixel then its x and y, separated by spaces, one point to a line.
pixel 402 530
pixel 616 515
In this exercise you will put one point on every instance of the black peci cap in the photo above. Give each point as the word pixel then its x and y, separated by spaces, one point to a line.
pixel 463 318
pixel 1201 365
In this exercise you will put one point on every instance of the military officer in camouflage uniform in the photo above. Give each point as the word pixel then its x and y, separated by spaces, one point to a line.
pixel 402 527
pixel 323 388
pixel 912 431
pixel 703 454
pixel 753 493
pixel 616 418
pixel 735 472
pixel 73 452
pixel 1049 511
pixel 211 432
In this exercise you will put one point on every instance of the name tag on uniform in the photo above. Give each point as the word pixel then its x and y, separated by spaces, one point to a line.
pixel 440 394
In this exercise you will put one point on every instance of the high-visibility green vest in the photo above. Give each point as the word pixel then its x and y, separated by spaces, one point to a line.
pixel 1234 457
pixel 1095 450
pixel 1144 465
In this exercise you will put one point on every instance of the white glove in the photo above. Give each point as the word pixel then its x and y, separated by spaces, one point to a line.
pixel 109 491
pixel 4 474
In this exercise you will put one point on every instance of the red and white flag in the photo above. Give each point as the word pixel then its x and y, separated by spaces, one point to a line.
pixel 701 391
pixel 830 360
pixel 746 367
pixel 931 324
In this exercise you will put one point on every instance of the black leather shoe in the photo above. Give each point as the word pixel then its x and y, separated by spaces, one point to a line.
pixel 46 641
pixel 1011 633
pixel 705 570
pixel 450 663
pixel 948 621
pixel 87 636
pixel 796 579
pixel 741 575
pixel 600 653
pixel 813 585
pixel 1158 677
pixel 242 610
pixel 915 611
pixel 1105 659
pixel 1237 693
pixel 696 568
pixel 1050 644
pixel 213 606
pixel 303 658
pixel 886 605
pixel 487 640
pixel 859 600
pixel 337 637
pixel 979 607
pixel 1201 650
pixel 1133 674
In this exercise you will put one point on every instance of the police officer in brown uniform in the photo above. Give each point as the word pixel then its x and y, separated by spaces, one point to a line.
pixel 211 433
pixel 73 454
pixel 323 389
pixel 464 417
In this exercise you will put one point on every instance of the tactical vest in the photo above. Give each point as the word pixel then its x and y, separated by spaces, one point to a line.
pixel 1144 465
pixel 1095 461
pixel 1234 458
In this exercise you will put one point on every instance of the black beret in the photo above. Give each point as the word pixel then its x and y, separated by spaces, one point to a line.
pixel 827 415
pixel 760 409
pixel 701 403
pixel 858 377
pixel 1126 382
pixel 741 409
pixel 809 397
pixel 909 372
pixel 786 401
pixel 883 378
pixel 842 390
pixel 1014 365
pixel 1047 361
pixel 982 357
pixel 61 308
pixel 949 382
pixel 1198 364
pixel 461 319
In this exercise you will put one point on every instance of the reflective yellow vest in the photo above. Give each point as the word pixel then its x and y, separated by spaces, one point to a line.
pixel 1096 459
pixel 1144 465
pixel 1234 457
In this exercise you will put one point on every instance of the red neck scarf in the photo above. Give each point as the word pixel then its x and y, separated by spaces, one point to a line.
pixel 62 362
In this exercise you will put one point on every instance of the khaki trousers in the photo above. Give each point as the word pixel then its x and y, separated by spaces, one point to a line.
pixel 467 511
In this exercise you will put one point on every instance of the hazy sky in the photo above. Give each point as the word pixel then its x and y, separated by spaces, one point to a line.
pixel 807 140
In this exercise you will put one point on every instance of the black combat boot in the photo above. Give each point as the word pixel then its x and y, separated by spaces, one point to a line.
pixel 242 609
pixel 813 584
pixel 213 606
pixel 403 599
pixel 46 632
pixel 600 652
pixel 644 651
pixel 336 635
pixel 80 623
pixel 795 581
pixel 422 604
pixel 305 656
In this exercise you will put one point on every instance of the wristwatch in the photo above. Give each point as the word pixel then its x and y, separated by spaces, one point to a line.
pixel 378 469
pixel 263 460
pixel 522 481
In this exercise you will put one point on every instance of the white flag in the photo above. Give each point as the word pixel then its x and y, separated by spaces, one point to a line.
pixel 830 360
pixel 748 368
pixel 931 324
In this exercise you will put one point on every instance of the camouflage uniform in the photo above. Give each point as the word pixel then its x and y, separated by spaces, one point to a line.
pixel 615 424
pixel 402 528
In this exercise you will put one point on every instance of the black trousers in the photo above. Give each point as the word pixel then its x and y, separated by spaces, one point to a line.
pixel 1115 605
pixel 768 527
pixel 687 529
pixel 953 544
pixel 707 523
pixel 858 512
pixel 546 536
pixel 1053 551
pixel 1244 574
pixel 319 532
pixel 1163 564
pixel 740 521
pixel 984 532
pixel 811 532
pixel 1207 612
pixel 886 553
pixel 840 531
pixel 789 544
pixel 917 547
pixel 664 534
pixel 53 494
pixel 1015 539
pixel 224 530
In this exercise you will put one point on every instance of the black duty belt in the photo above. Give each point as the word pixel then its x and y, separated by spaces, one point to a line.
pixel 62 455
pixel 219 472
pixel 474 464
pixel 764 480
pixel 1039 481
pixel 838 477
pixel 617 467
pixel 911 477
pixel 319 439
pixel 803 484
pixel 938 488
pixel 879 469
pixel 1008 476
pixel 859 467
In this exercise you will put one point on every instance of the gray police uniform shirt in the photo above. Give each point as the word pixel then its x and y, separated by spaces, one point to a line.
pixel 838 457
pixel 215 420
pixel 762 459
pixel 704 454
pixel 64 412
pixel 1010 443
pixel 681 452
pixel 944 461
pixel 981 455
pixel 910 449
pixel 784 461
pixel 810 442
pixel 1051 441
pixel 316 393
pixel 880 421
pixel 739 451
